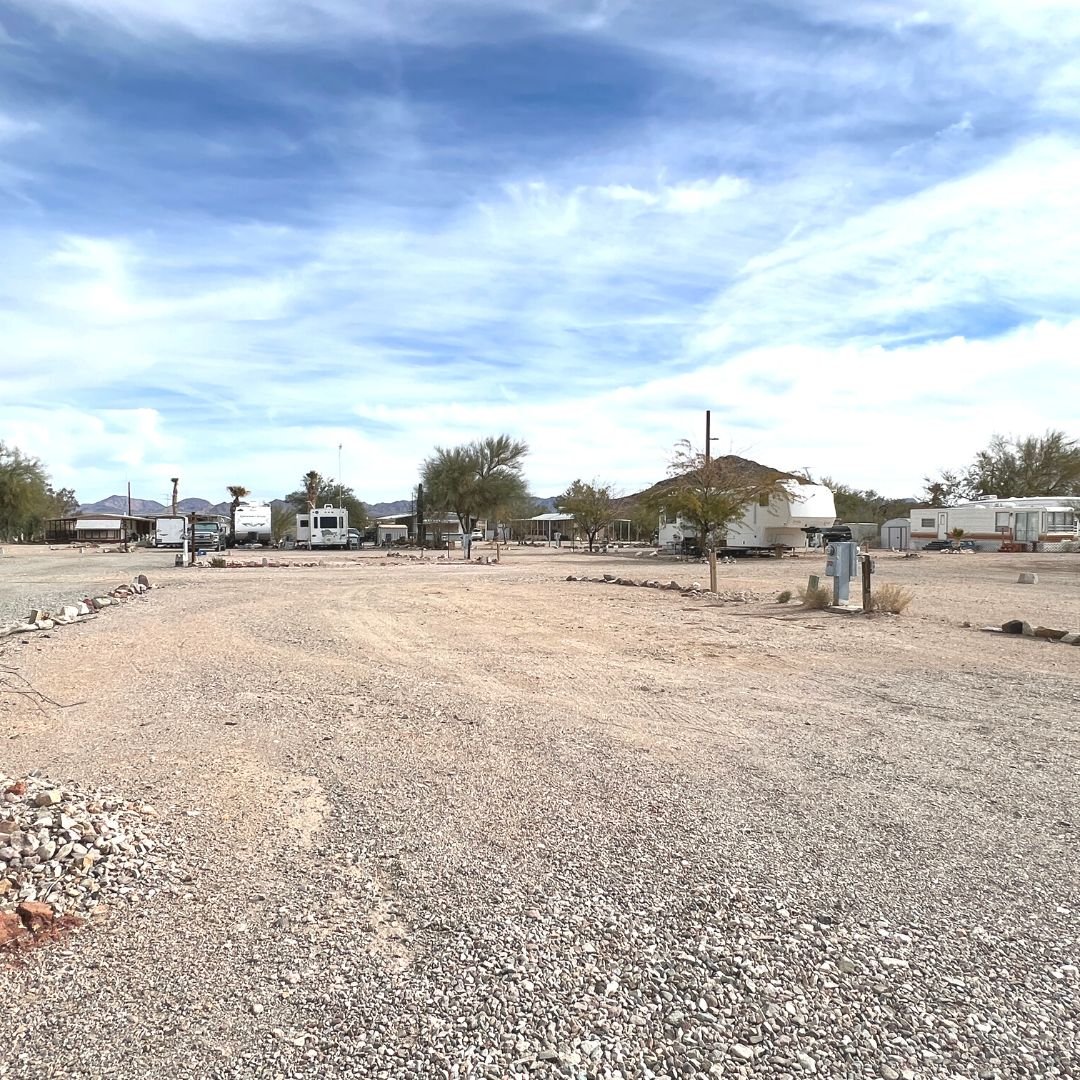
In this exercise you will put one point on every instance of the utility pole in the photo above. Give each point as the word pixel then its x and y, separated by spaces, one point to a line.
pixel 129 498
pixel 420 516
pixel 339 487
pixel 175 482
pixel 708 435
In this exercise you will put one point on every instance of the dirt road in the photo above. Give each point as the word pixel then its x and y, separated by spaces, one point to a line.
pixel 452 820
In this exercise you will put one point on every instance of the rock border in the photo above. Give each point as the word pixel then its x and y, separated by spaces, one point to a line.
pixel 81 611
pixel 693 589
pixel 1022 628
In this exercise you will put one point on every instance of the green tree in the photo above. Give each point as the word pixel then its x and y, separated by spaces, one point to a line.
pixel 1012 468
pixel 282 522
pixel 643 519
pixel 865 504
pixel 475 479
pixel 27 498
pixel 316 490
pixel 711 494
pixel 591 505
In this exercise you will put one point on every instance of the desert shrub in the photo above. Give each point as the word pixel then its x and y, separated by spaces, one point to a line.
pixel 815 597
pixel 891 597
pixel 784 597
pixel 217 561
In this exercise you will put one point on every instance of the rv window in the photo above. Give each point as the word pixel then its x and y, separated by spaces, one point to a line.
pixel 927 523
pixel 1057 521
pixel 327 523
pixel 1001 520
pixel 763 499
pixel 303 523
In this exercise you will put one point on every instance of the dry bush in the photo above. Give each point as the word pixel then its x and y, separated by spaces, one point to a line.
pixel 218 562
pixel 891 598
pixel 784 597
pixel 816 598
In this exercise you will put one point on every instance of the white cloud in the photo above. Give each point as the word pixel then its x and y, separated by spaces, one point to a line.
pixel 703 194
pixel 689 197
pixel 13 128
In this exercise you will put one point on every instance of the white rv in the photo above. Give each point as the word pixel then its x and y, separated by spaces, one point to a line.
pixel 1048 523
pixel 327 527
pixel 169 531
pixel 252 524
pixel 781 520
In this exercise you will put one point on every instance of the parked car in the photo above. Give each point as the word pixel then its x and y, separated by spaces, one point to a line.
pixel 938 545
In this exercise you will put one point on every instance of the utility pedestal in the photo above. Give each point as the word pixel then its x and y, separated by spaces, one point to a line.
pixel 842 565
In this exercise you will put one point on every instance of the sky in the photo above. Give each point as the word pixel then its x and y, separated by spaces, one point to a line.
pixel 234 236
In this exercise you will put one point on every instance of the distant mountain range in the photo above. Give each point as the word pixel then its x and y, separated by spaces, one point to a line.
pixel 118 504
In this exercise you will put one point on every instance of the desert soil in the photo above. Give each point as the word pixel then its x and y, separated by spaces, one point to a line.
pixel 447 820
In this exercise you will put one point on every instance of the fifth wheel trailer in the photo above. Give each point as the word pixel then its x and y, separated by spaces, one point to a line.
pixel 325 527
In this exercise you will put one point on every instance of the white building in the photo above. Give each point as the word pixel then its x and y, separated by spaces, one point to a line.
pixel 777 520
pixel 1043 524
pixel 896 534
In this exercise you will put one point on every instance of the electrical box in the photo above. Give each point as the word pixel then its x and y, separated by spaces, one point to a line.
pixel 842 561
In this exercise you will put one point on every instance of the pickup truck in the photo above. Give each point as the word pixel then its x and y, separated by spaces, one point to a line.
pixel 209 536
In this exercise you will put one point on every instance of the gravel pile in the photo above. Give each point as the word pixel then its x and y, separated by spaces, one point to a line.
pixel 73 849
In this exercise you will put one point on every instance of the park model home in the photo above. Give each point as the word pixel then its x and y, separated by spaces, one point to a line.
pixel 788 518
pixel 1036 524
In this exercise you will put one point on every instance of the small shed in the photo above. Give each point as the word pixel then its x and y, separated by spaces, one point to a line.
pixel 386 534
pixel 896 534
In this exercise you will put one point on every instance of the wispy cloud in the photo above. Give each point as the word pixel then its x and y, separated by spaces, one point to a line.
pixel 241 234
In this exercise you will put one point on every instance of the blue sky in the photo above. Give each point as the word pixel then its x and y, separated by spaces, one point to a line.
pixel 233 236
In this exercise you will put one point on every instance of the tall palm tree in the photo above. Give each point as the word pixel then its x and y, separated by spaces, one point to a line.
pixel 238 492
pixel 313 486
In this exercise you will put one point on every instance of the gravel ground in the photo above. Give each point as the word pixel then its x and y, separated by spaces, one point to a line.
pixel 37 577
pixel 461 821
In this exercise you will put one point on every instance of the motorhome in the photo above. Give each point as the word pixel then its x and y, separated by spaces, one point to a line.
pixel 325 527
pixel 251 523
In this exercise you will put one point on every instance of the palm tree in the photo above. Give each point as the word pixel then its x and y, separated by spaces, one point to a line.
pixel 238 492
pixel 313 486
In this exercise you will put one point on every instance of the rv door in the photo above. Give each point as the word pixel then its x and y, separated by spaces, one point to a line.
pixel 943 525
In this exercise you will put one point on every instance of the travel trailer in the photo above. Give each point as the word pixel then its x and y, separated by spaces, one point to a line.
pixel 251 524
